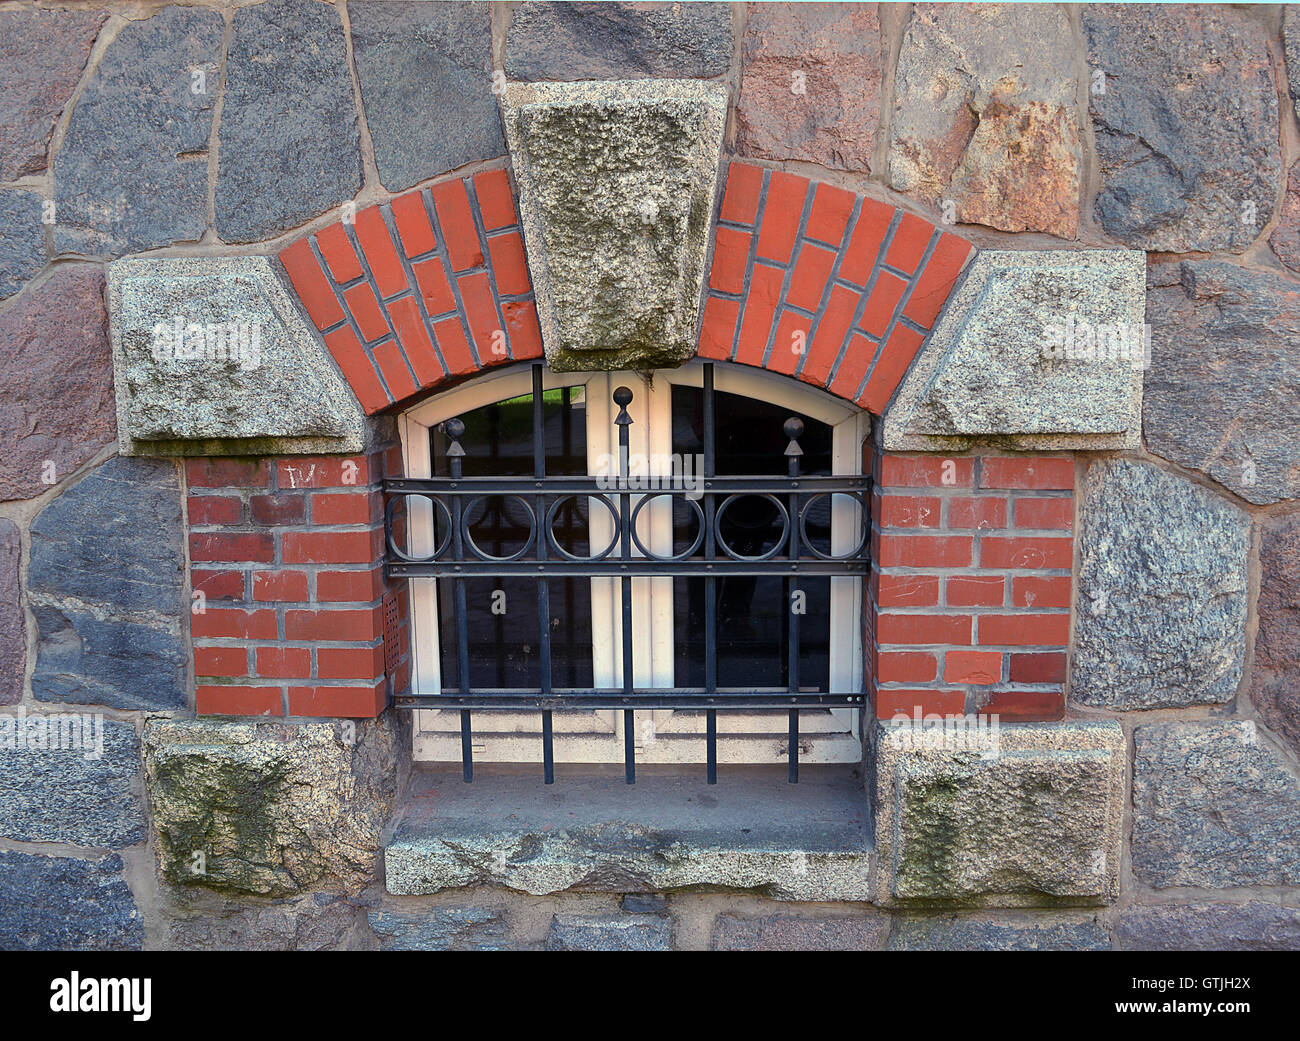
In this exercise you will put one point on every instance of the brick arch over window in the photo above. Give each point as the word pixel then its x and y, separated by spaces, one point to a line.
pixel 809 280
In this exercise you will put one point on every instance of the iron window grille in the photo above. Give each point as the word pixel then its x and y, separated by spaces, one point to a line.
pixel 456 557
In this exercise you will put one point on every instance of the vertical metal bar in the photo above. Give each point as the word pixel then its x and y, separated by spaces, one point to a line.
pixel 455 429
pixel 622 398
pixel 793 430
pixel 710 584
pixel 543 587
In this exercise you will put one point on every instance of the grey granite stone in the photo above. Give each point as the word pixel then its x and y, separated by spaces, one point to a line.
pixel 1214 806
pixel 322 921
pixel 66 904
pixel 950 933
pixel 22 239
pixel 212 358
pixel 439 929
pixel 1162 590
pixel 290 145
pixel 42 56
pixel 105 584
pixel 1275 684
pixel 604 41
pixel 575 932
pixel 1291 46
pixel 1253 926
pixel 1031 819
pixel 1221 396
pixel 269 808
pixel 865 932
pixel 426 68
pixel 132 172
pixel 70 778
pixel 1015 358
pixel 1186 126
pixel 616 185
pixel 13 623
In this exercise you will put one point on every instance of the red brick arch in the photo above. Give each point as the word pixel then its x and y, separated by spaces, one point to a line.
pixel 808 279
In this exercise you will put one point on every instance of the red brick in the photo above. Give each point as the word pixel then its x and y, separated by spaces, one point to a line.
pixel 431 277
pixel 284 663
pixel 451 201
pixel 864 244
pixel 892 704
pixel 951 629
pixel 975 591
pixel 358 702
pixel 481 310
pixel 377 244
pixel 1024 630
pixel 781 215
pixel 229 623
pixel 982 512
pixel 1040 472
pixel 925 550
pixel 311 285
pixel 760 310
pixel 1035 591
pixel 496 203
pixel 718 327
pixel 450 335
pixel 353 508
pixel 907 511
pixel 1045 513
pixel 416 345
pixel 730 258
pixel 340 257
pixel 397 374
pixel 907 590
pixel 832 330
pixel 280 586
pixel 853 367
pixel 812 269
pixel 220 661
pixel 881 305
pixel 1038 668
pixel 936 281
pixel 509 265
pixel 350 586
pixel 790 345
pixel 908 244
pixel 889 371
pixel 215 509
pixel 1029 551
pixel 227 473
pixel 324 472
pixel 364 309
pixel 975 667
pixel 524 333
pixel 349 663
pixel 330 547
pixel 360 625
pixel 218 585
pixel 238 701
pixel 906 667
pixel 831 209
pixel 1023 706
pixel 740 200
pixel 929 471
pixel 357 369
pixel 277 509
pixel 413 227
pixel 232 546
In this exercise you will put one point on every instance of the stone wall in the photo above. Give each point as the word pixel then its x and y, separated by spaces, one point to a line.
pixel 907 195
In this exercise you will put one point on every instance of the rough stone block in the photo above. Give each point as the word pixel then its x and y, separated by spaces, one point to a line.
pixel 212 358
pixel 80 793
pixel 1162 591
pixel 22 243
pixel 13 623
pixel 616 184
pixel 439 929
pixel 1035 820
pixel 66 904
pixel 56 381
pixel 1275 686
pixel 950 933
pixel 576 932
pixel 1253 926
pixel 321 921
pixel 1214 806
pixel 132 171
pixel 269 808
pixel 866 932
pixel 1015 359
pixel 426 68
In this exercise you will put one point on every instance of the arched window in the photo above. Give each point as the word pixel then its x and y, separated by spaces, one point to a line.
pixel 715 607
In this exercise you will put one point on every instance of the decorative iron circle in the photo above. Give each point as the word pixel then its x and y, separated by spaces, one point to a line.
pixel 699 535
pixel 388 527
pixel 785 526
pixel 490 558
pixel 803 526
pixel 554 544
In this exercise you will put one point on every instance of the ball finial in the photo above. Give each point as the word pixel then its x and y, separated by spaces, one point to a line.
pixel 454 428
pixel 793 428
pixel 623 397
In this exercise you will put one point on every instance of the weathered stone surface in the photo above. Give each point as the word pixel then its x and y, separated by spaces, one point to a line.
pixel 1187 125
pixel 426 69
pixel 576 932
pixel 1254 926
pixel 13 624
pixel 66 904
pixel 290 142
pixel 949 933
pixel 810 86
pixel 1214 806
pixel 440 929
pixel 1223 392
pixel 603 41
pixel 984 115
pixel 132 172
pixel 42 55
pixel 1036 350
pixel 269 808
pixel 73 780
pixel 56 381
pixel 1275 686
pixel 212 358
pixel 105 583
pixel 1161 619
pixel 865 932
pixel 1285 239
pixel 22 239
pixel 1291 46
pixel 1035 821
pixel 616 184
pixel 315 922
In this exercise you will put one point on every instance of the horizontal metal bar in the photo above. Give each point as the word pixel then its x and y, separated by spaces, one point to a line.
pixel 521 700
pixel 851 567
pixel 666 484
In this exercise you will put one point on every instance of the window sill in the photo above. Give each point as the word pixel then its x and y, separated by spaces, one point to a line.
pixel 591 831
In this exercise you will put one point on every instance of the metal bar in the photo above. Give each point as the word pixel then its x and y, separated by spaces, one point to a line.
pixel 455 429
pixel 519 699
pixel 622 398
pixel 564 484
pixel 710 582
pixel 850 566
pixel 793 430
pixel 543 588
